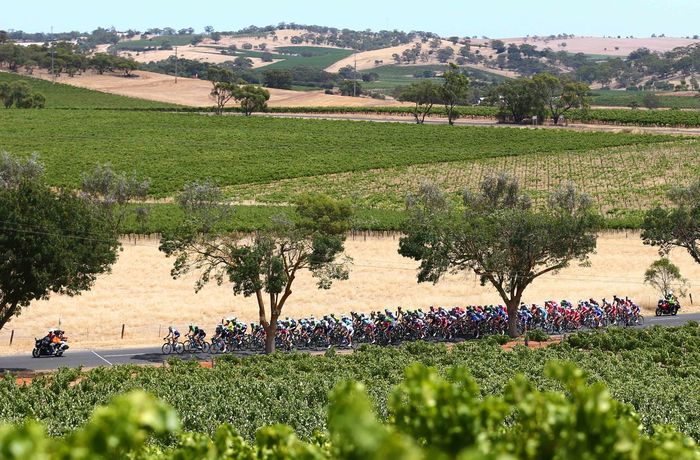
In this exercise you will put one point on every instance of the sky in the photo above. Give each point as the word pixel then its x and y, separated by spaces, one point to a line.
pixel 504 18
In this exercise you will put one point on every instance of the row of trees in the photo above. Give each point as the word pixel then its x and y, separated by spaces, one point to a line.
pixel 453 91
pixel 361 40
pixel 541 96
pixel 301 76
pixel 61 57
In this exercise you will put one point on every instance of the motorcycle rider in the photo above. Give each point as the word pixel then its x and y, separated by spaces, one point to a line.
pixel 56 340
pixel 672 299
pixel 48 339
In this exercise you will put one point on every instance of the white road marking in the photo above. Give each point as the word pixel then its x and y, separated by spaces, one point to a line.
pixel 95 353
pixel 119 356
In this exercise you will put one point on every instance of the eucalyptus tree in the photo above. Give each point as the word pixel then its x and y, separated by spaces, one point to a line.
pixel 499 236
pixel 52 241
pixel 266 263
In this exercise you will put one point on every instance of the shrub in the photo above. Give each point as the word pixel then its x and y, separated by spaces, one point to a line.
pixel 538 335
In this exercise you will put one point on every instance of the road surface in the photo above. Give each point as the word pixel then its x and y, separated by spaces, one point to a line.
pixel 153 355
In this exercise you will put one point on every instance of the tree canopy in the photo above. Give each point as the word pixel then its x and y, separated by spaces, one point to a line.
pixel 51 242
pixel 20 95
pixel 454 91
pixel 278 78
pixel 561 94
pixel 541 96
pixel 677 225
pixel 663 275
pixel 424 95
pixel 266 263
pixel 497 235
pixel 252 98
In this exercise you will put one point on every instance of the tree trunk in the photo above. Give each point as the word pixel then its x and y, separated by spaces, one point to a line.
pixel 512 306
pixel 270 334
pixel 7 311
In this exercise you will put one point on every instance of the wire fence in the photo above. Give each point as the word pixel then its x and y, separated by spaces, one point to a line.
pixel 9 337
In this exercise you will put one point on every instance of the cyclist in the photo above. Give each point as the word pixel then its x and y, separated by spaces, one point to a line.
pixel 347 329
pixel 196 334
pixel 173 334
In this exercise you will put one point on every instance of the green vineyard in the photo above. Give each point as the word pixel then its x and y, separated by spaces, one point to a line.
pixel 653 372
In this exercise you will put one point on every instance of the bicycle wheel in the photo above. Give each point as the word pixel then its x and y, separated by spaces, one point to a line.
pixel 206 347
pixel 187 346
pixel 179 348
pixel 167 348
pixel 640 320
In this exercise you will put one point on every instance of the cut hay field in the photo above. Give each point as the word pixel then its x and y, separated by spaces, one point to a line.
pixel 193 92
pixel 67 96
pixel 173 149
pixel 141 294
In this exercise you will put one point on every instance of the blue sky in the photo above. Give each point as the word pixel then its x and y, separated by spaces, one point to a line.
pixel 505 18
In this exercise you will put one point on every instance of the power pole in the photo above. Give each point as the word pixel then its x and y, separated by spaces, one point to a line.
pixel 53 72
pixel 354 78
pixel 176 65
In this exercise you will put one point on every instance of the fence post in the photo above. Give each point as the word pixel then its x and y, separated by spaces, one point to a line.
pixel 122 331
pixel 12 336
pixel 691 298
pixel 527 336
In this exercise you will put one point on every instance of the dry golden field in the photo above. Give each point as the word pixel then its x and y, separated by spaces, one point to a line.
pixel 193 92
pixel 141 294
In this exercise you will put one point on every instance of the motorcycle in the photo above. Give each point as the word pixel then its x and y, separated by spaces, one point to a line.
pixel 43 347
pixel 664 307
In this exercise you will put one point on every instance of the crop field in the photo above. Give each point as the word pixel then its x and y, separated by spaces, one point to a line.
pixel 61 96
pixel 655 371
pixel 173 149
pixel 625 98
pixel 620 180
pixel 393 76
pixel 320 59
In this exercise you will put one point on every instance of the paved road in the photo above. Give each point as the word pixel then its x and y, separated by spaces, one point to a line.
pixel 152 355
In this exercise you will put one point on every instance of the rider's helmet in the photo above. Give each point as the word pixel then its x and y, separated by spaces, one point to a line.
pixel 170 329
